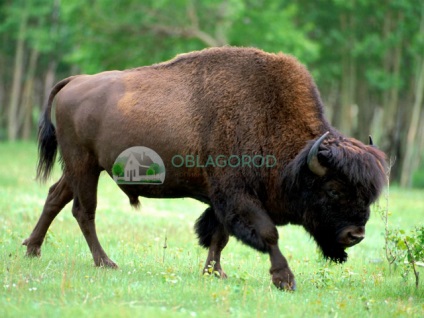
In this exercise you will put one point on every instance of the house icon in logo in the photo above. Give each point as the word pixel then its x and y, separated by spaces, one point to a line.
pixel 138 165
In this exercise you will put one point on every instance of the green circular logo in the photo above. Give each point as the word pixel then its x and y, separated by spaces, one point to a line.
pixel 138 165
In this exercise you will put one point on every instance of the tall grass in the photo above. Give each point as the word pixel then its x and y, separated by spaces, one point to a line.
pixel 153 281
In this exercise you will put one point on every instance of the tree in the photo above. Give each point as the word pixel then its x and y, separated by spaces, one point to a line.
pixel 167 28
pixel 366 56
pixel 118 169
pixel 155 167
pixel 29 32
pixel 369 56
pixel 12 128
pixel 414 145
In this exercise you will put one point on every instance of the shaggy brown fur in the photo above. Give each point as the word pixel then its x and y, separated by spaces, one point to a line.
pixel 220 101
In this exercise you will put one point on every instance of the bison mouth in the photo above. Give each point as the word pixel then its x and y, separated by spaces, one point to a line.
pixel 333 245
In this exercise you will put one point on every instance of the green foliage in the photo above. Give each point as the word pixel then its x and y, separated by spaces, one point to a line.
pixel 167 28
pixel 272 26
pixel 155 167
pixel 42 29
pixel 408 250
pixel 364 56
pixel 402 250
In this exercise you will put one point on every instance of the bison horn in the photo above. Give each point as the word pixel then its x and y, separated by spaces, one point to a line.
pixel 371 143
pixel 313 162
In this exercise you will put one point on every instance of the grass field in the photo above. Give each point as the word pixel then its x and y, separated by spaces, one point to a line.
pixel 155 282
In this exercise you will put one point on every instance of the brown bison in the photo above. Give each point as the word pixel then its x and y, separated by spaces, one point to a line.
pixel 237 103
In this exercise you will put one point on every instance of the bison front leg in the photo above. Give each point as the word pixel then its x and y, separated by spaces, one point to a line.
pixel 212 234
pixel 281 275
pixel 249 222
pixel 59 195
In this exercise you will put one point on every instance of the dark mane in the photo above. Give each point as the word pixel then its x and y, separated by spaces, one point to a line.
pixel 363 167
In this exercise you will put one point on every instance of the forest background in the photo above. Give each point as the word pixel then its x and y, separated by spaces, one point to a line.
pixel 366 56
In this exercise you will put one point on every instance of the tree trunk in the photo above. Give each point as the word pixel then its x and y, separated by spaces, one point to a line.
pixel 365 111
pixel 49 81
pixel 412 152
pixel 49 78
pixel 2 93
pixel 411 144
pixel 418 158
pixel 345 112
pixel 387 28
pixel 392 116
pixel 12 120
pixel 27 101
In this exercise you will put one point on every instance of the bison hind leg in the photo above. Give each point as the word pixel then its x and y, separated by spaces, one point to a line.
pixel 205 227
pixel 213 235
pixel 59 195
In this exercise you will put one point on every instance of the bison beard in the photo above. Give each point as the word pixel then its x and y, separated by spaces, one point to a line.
pixel 330 249
pixel 219 101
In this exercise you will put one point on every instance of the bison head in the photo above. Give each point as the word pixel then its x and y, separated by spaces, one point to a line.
pixel 330 186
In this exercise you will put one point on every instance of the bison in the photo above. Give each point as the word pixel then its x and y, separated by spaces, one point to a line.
pixel 216 102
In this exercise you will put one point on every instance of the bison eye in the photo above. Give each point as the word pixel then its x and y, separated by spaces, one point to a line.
pixel 334 194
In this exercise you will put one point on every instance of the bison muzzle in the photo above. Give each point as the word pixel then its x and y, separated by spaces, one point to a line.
pixel 216 102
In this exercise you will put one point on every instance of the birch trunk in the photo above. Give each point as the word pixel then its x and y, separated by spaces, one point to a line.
pixel 413 149
pixel 12 120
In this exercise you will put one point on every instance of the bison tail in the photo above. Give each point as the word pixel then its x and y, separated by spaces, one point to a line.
pixel 206 226
pixel 47 142
pixel 47 148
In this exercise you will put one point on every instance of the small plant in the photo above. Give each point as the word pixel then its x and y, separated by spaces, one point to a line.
pixel 384 213
pixel 323 278
pixel 170 276
pixel 409 250
pixel 402 250
pixel 210 271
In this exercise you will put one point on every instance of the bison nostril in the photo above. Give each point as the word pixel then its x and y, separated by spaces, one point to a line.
pixel 355 237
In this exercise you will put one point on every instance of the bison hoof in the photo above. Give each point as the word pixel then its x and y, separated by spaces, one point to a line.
pixel 106 263
pixel 284 280
pixel 219 273
pixel 286 286
pixel 32 250
pixel 222 274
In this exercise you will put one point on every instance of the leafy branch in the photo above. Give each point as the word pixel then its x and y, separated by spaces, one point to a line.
pixel 405 251
pixel 412 261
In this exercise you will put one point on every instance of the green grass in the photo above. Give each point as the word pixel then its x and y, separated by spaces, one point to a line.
pixel 155 282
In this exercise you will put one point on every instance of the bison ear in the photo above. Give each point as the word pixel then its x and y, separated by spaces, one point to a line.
pixel 313 163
